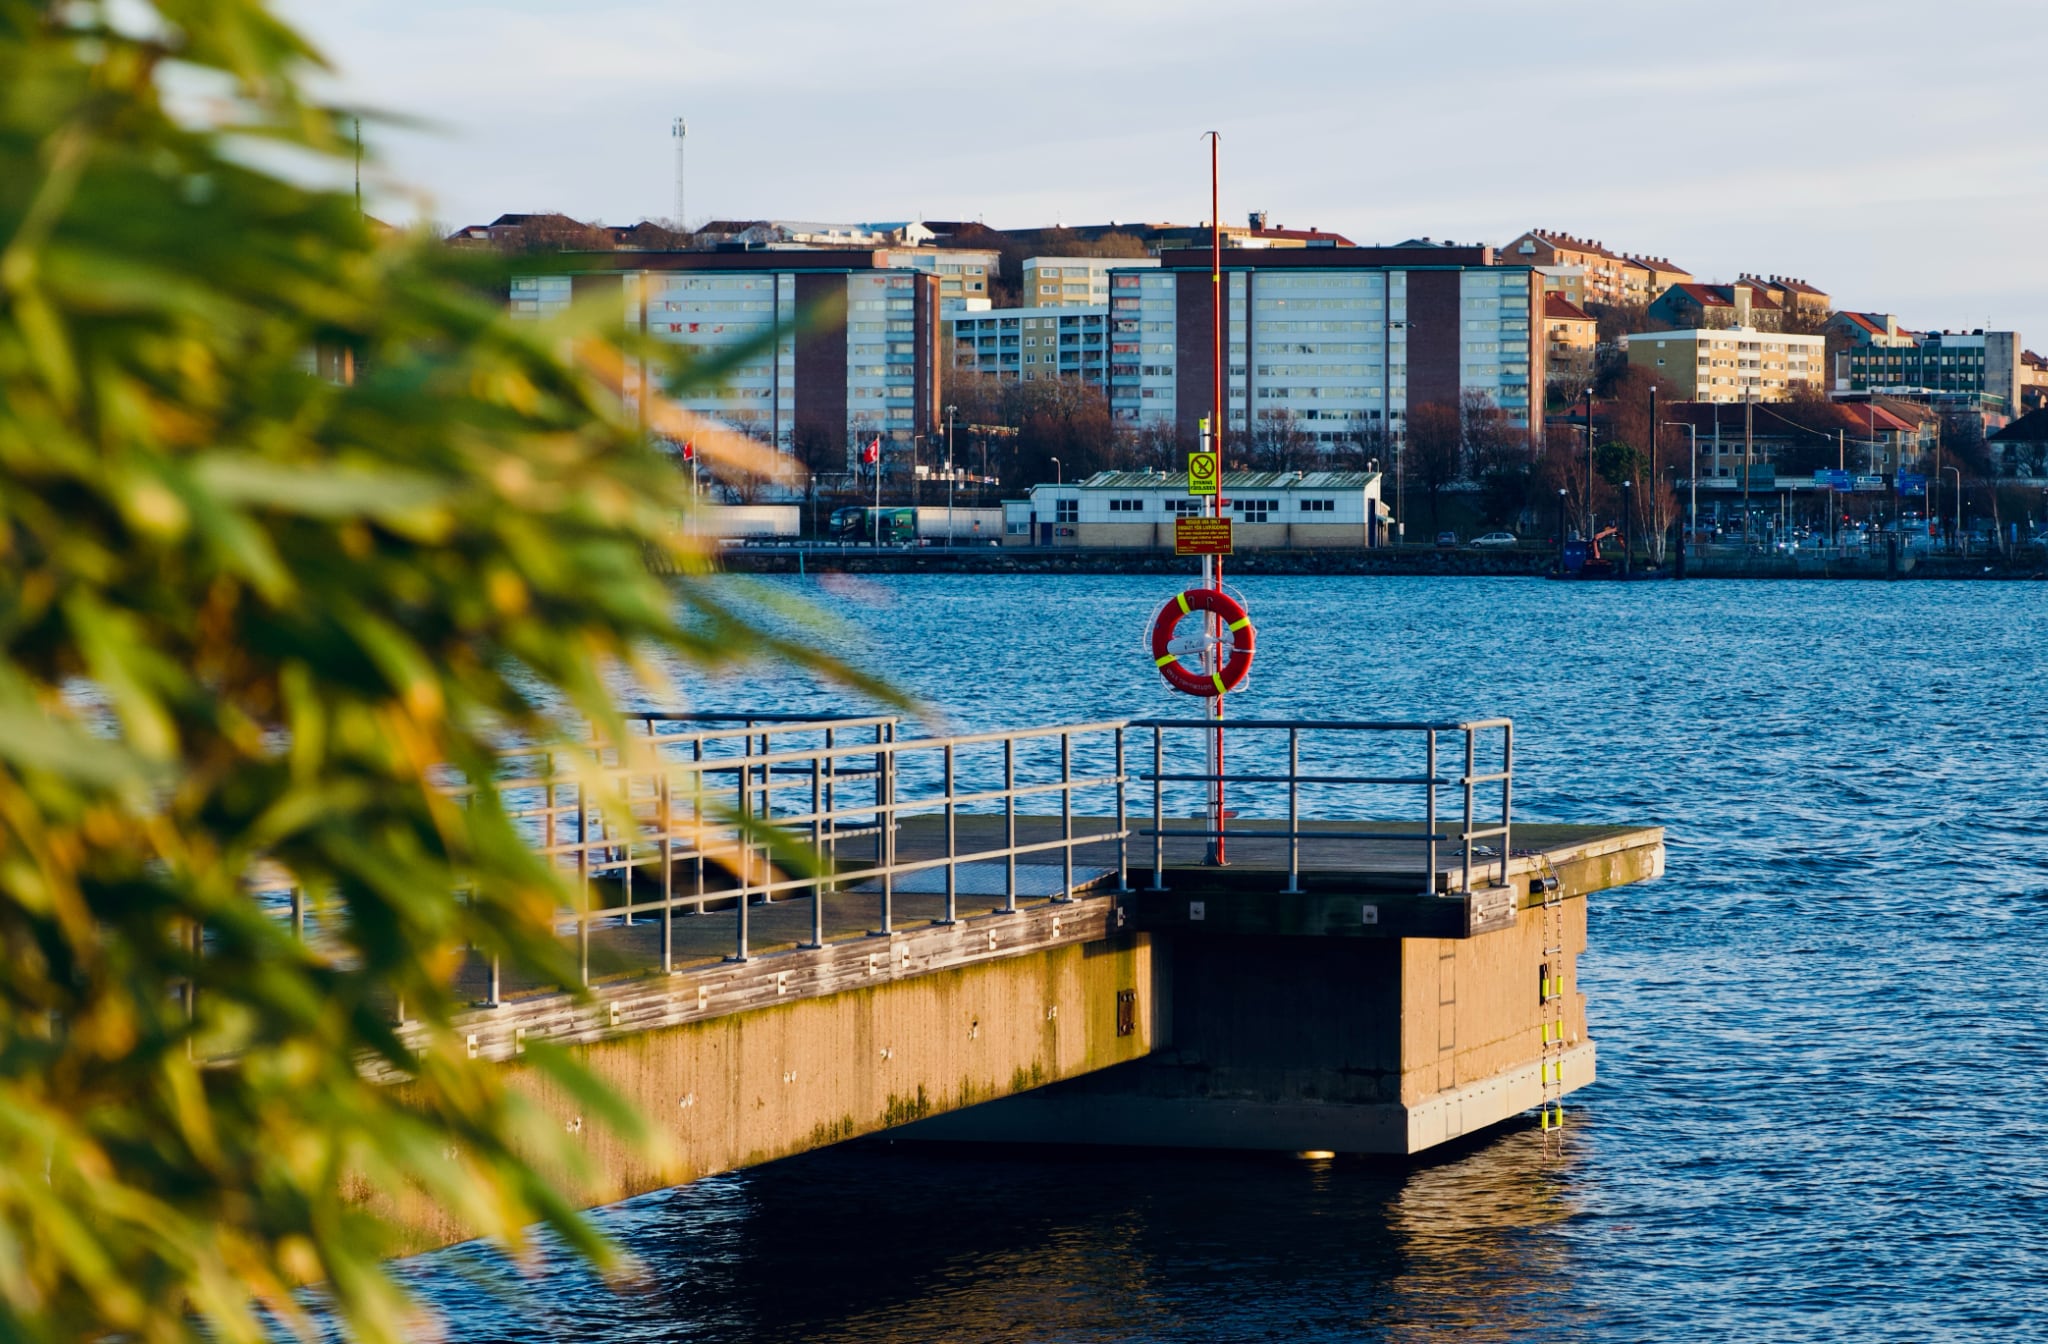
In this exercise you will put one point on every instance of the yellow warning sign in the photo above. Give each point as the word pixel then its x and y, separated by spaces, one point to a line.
pixel 1203 469
pixel 1201 536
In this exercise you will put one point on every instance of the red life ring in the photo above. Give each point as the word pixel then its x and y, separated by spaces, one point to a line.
pixel 1243 640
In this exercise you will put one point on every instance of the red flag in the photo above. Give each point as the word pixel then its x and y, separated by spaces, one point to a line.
pixel 873 452
pixel 689 449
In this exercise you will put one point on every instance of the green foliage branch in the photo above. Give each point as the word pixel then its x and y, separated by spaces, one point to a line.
pixel 252 618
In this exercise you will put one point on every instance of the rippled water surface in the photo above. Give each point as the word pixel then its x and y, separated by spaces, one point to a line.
pixel 1824 1034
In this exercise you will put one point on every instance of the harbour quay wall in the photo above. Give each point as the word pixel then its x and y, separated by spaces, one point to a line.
pixel 1415 561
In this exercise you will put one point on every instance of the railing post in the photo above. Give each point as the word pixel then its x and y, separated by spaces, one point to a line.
pixel 697 819
pixel 1507 798
pixel 1067 815
pixel 1010 825
pixel 818 846
pixel 668 866
pixel 885 818
pixel 745 845
pixel 1429 823
pixel 1471 768
pixel 583 884
pixel 1158 809
pixel 1293 886
pixel 1123 824
pixel 952 847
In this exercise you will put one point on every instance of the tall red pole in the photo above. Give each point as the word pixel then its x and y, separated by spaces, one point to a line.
pixel 1220 298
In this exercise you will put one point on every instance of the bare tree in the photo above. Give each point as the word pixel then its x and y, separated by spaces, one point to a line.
pixel 1497 456
pixel 1281 444
pixel 1435 452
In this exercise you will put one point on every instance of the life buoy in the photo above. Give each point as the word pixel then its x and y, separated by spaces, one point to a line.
pixel 1243 640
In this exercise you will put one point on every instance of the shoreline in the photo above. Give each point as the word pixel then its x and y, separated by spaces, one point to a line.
pixel 1410 562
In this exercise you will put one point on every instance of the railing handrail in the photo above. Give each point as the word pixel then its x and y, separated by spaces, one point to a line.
pixel 636 812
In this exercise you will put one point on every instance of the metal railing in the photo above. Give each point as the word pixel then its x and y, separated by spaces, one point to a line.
pixel 751 814
pixel 694 817
pixel 1469 782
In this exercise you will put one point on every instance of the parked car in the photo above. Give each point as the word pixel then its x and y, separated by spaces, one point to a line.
pixel 1446 538
pixel 1495 539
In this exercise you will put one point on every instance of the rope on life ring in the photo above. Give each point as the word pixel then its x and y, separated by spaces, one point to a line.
pixel 1243 642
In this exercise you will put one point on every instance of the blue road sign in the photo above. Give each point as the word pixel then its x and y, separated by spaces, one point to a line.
pixel 1912 483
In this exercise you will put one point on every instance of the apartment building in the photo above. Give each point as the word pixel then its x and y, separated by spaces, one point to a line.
pixel 1345 340
pixel 963 273
pixel 1072 282
pixel 1601 269
pixel 1879 329
pixel 1984 365
pixel 1738 305
pixel 1796 296
pixel 844 343
pixel 1730 364
pixel 1569 332
pixel 1028 344
pixel 1644 278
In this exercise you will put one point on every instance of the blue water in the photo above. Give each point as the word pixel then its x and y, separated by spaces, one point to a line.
pixel 1824 1034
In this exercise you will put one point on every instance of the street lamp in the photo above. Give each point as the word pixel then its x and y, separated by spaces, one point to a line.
pixel 1956 536
pixel 1589 462
pixel 1058 477
pixel 951 458
pixel 1694 525
pixel 913 467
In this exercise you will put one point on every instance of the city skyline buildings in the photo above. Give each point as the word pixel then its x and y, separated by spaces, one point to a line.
pixel 819 112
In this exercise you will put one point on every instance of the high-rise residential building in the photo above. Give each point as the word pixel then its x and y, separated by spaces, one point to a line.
pixel 842 344
pixel 1730 363
pixel 1072 282
pixel 1345 341
pixel 1983 365
pixel 1028 344
pixel 963 273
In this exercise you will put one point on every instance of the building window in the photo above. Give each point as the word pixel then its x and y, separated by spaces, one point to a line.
pixel 1318 506
pixel 1066 510
pixel 1189 508
pixel 1254 510
pixel 1127 506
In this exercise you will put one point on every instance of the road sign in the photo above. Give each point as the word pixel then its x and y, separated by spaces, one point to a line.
pixel 1831 479
pixel 1912 483
pixel 1204 469
pixel 1201 536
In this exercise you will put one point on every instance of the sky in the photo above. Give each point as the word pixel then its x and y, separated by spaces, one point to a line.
pixel 1888 151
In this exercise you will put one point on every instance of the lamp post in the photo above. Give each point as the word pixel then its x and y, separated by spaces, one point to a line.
pixel 1628 525
pixel 1694 484
pixel 1562 496
pixel 1588 510
pixel 913 467
pixel 951 458
pixel 1656 531
pixel 1956 536
pixel 1058 473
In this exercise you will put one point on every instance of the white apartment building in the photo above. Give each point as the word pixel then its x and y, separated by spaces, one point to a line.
pixel 1345 341
pixel 963 272
pixel 1730 363
pixel 1073 282
pixel 867 367
pixel 1027 344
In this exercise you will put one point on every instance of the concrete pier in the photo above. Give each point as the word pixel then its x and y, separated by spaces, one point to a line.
pixel 1297 1025
pixel 951 965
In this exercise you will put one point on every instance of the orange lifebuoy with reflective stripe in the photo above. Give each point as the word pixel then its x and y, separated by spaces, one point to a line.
pixel 1243 641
